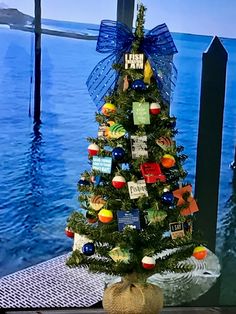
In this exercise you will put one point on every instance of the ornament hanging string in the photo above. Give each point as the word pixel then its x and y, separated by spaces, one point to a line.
pixel 116 38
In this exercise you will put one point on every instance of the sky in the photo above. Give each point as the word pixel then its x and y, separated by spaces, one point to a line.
pixel 205 17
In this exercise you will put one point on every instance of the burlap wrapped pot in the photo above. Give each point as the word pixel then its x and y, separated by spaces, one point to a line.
pixel 132 297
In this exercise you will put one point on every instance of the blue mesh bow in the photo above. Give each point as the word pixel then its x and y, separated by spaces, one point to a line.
pixel 116 38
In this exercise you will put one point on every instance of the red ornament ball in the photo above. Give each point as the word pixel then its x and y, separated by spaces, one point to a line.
pixel 200 252
pixel 148 262
pixel 118 182
pixel 93 149
pixel 69 233
pixel 155 108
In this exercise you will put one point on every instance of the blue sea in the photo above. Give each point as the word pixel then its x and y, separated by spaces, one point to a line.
pixel 39 168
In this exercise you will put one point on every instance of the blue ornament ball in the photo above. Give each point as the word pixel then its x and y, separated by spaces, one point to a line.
pixel 168 198
pixel 138 85
pixel 171 123
pixel 88 249
pixel 83 182
pixel 118 153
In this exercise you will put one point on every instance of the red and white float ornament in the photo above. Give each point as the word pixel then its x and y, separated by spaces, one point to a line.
pixel 93 149
pixel 155 108
pixel 148 262
pixel 118 182
pixel 69 233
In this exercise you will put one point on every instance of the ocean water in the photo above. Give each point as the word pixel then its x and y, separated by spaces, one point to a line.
pixel 39 168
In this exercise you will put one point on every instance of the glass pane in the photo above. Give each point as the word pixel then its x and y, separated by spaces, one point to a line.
pixel 68 112
pixel 193 25
pixel 16 60
pixel 40 166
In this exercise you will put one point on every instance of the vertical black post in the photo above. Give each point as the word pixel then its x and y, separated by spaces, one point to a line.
pixel 210 139
pixel 125 12
pixel 37 87
pixel 214 63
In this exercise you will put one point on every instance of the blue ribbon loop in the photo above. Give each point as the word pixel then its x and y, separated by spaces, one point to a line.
pixel 116 38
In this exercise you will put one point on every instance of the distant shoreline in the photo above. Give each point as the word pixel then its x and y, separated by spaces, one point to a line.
pixel 55 32
pixel 91 37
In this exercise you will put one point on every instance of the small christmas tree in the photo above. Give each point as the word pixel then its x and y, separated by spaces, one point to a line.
pixel 135 202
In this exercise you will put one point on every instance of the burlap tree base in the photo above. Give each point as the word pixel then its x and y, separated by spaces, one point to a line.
pixel 132 297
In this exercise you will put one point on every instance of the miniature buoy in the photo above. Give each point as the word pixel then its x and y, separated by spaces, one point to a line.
pixel 200 252
pixel 108 108
pixel 105 215
pixel 148 262
pixel 155 108
pixel 93 149
pixel 69 233
pixel 118 182
pixel 168 161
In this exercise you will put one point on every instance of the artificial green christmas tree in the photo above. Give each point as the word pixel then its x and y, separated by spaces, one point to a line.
pixel 135 201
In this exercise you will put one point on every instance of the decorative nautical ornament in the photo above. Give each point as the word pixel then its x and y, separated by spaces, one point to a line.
pixel 118 154
pixel 88 249
pixel 93 149
pixel 138 85
pixel 148 262
pixel 108 109
pixel 105 215
pixel 155 108
pixel 118 182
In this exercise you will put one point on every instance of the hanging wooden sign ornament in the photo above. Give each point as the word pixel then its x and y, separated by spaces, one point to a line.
pixel 165 142
pixel 134 61
pixel 102 164
pixel 151 172
pixel 139 146
pixel 191 205
pixel 97 202
pixel 176 230
pixel 137 189
pixel 141 113
pixel 128 218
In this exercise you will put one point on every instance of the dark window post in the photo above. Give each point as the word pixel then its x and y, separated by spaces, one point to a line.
pixel 214 63
pixel 210 139
pixel 125 12
pixel 37 86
